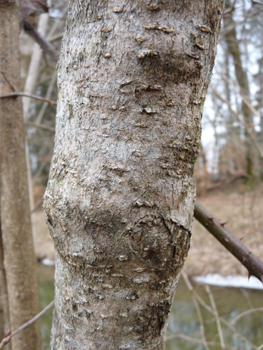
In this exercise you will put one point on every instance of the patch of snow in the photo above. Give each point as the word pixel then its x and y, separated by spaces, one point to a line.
pixel 230 281
pixel 48 262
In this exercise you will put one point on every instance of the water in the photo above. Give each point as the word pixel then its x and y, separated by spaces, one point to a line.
pixel 230 302
pixel 46 295
pixel 184 319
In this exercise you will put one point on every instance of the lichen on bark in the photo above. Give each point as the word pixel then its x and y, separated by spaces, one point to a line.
pixel 120 196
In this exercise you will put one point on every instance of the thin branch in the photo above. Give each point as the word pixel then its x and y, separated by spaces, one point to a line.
pixel 209 309
pixel 48 95
pixel 8 82
pixel 41 167
pixel 42 42
pixel 7 339
pixel 56 37
pixel 213 304
pixel 245 313
pixel 16 94
pixel 250 134
pixel 38 205
pixel 194 340
pixel 252 263
pixel 199 314
pixel 243 97
pixel 227 30
pixel 257 2
pixel 249 105
pixel 40 126
pixel 202 328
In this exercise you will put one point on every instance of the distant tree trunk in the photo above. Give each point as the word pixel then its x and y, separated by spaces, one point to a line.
pixel 17 241
pixel 132 78
pixel 3 292
pixel 252 156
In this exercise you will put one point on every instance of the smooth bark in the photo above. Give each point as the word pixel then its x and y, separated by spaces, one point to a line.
pixel 132 81
pixel 17 241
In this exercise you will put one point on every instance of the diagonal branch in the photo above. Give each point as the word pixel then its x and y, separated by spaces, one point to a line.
pixel 213 304
pixel 42 42
pixel 209 309
pixel 16 94
pixel 9 335
pixel 40 126
pixel 252 263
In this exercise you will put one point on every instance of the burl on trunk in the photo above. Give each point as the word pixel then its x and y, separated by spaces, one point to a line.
pixel 132 80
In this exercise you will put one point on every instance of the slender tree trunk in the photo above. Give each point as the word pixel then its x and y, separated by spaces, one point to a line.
pixel 132 78
pixel 3 292
pixel 19 258
pixel 30 85
pixel 252 156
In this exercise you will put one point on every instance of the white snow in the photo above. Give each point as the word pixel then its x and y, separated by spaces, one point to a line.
pixel 230 281
pixel 48 262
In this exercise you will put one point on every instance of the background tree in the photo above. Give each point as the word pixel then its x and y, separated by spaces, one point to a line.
pixel 252 156
pixel 233 109
pixel 119 203
pixel 18 262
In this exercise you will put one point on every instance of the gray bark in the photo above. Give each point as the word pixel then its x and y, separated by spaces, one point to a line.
pixel 132 80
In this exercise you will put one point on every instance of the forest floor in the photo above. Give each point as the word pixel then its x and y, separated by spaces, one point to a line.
pixel 240 209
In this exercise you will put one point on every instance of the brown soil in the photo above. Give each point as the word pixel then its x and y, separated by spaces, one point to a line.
pixel 243 212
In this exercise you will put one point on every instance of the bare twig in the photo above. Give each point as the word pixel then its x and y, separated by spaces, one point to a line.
pixel 235 114
pixel 33 69
pixel 40 126
pixel 194 340
pixel 213 304
pixel 245 313
pixel 257 2
pixel 42 166
pixel 253 264
pixel 8 82
pixel 48 95
pixel 56 37
pixel 202 328
pixel 42 42
pixel 38 205
pixel 227 30
pixel 244 98
pixel 55 28
pixel 209 309
pixel 16 94
pixel 7 339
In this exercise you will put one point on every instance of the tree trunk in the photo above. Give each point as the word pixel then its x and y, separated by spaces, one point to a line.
pixel 17 241
pixel 132 81
pixel 3 293
pixel 252 155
